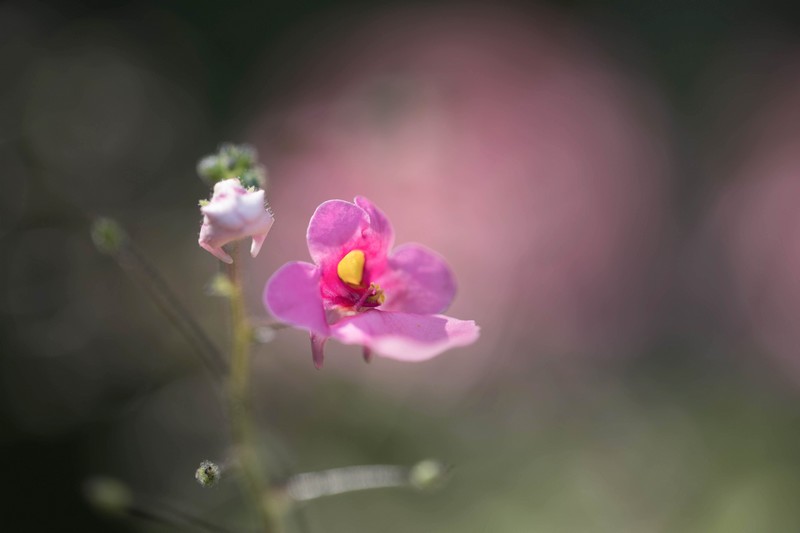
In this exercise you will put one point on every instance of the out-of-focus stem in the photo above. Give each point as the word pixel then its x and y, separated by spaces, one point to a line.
pixel 114 497
pixel 110 238
pixel 165 515
pixel 163 296
pixel 240 408
pixel 424 475
pixel 312 485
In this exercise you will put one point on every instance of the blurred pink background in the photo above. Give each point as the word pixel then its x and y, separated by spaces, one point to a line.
pixel 507 142
pixel 755 216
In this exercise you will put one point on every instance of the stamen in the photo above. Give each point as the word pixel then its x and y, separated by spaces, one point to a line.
pixel 376 294
pixel 372 297
pixel 351 268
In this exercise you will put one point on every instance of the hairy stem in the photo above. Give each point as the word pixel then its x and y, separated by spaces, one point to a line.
pixel 244 438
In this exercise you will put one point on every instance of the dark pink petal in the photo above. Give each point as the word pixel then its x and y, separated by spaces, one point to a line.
pixel 405 336
pixel 292 296
pixel 417 280
pixel 318 350
pixel 335 227
pixel 379 226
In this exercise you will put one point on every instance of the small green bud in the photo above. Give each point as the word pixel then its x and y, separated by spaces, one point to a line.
pixel 239 155
pixel 208 474
pixel 107 235
pixel 233 161
pixel 263 334
pixel 208 168
pixel 254 178
pixel 108 495
pixel 221 285
pixel 427 474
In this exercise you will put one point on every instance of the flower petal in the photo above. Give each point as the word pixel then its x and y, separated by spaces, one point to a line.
pixel 223 212
pixel 418 280
pixel 405 336
pixel 318 350
pixel 216 251
pixel 232 214
pixel 334 226
pixel 258 242
pixel 379 226
pixel 292 296
pixel 252 205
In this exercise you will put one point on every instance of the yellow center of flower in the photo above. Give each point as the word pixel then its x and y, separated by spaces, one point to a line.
pixel 351 268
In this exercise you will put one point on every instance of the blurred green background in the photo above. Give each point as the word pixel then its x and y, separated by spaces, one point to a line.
pixel 690 424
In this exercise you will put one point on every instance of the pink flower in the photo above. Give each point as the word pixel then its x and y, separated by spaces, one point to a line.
pixel 359 293
pixel 232 214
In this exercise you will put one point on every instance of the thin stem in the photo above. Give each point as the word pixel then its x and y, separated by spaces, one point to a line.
pixel 171 516
pixel 312 485
pixel 167 301
pixel 240 408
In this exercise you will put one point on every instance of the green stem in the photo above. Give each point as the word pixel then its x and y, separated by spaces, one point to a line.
pixel 244 439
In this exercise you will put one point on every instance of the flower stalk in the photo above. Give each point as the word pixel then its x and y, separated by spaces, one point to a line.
pixel 313 485
pixel 111 239
pixel 243 431
pixel 307 486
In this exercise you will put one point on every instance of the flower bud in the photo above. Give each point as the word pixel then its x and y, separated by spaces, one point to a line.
pixel 221 285
pixel 234 213
pixel 107 235
pixel 427 474
pixel 208 474
pixel 233 161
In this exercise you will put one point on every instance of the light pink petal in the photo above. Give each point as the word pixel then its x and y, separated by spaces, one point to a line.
pixel 252 205
pixel 418 280
pixel 292 296
pixel 405 336
pixel 379 226
pixel 334 226
pixel 258 242
pixel 216 251
pixel 223 212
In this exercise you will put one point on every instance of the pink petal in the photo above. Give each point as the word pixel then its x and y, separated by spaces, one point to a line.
pixel 334 226
pixel 252 205
pixel 418 280
pixel 318 350
pixel 379 225
pixel 216 251
pixel 405 336
pixel 223 212
pixel 258 242
pixel 292 296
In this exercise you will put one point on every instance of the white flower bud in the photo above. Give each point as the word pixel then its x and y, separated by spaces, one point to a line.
pixel 234 213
